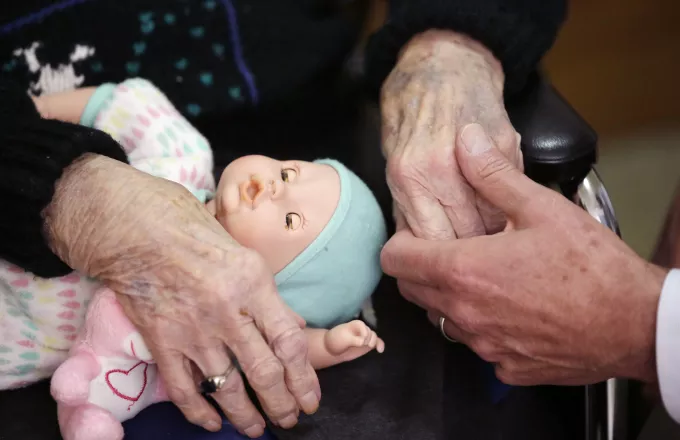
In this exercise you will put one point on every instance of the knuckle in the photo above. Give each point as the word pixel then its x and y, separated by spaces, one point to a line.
pixel 400 171
pixel 178 395
pixel 510 373
pixel 484 349
pixel 233 385
pixel 266 374
pixel 470 226
pixel 195 417
pixel 199 418
pixel 494 167
pixel 290 346
pixel 449 265
pixel 505 376
pixel 387 90
pixel 388 259
pixel 508 140
pixel 509 377
pixel 465 316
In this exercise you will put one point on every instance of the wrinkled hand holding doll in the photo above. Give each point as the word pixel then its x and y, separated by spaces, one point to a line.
pixel 317 225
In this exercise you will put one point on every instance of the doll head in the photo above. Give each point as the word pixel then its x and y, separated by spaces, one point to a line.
pixel 317 225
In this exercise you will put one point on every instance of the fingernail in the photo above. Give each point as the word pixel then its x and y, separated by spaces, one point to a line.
pixel 288 422
pixel 309 402
pixel 474 139
pixel 212 426
pixel 254 431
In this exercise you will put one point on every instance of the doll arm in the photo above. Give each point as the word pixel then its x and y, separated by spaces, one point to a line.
pixel 71 382
pixel 340 344
pixel 64 106
pixel 156 137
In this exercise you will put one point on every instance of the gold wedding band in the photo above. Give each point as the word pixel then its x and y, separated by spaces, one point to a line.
pixel 213 384
pixel 443 332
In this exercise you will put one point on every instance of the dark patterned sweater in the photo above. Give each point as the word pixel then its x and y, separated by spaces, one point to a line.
pixel 250 74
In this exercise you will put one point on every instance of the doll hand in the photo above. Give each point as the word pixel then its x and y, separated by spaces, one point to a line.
pixel 353 334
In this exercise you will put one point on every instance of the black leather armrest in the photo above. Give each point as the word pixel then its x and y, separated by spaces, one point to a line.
pixel 559 147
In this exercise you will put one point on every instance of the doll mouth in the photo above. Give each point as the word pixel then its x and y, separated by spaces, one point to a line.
pixel 252 190
pixel 249 191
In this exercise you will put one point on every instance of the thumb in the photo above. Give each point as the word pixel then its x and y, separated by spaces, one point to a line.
pixel 494 177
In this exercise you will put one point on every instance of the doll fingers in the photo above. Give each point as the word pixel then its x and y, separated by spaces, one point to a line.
pixel 380 346
pixel 359 329
pixel 372 340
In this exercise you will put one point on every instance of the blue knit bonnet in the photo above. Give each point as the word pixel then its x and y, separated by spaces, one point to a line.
pixel 328 282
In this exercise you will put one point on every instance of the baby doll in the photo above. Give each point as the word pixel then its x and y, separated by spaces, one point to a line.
pixel 316 224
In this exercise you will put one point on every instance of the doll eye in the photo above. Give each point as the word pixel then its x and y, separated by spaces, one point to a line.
pixel 288 174
pixel 293 221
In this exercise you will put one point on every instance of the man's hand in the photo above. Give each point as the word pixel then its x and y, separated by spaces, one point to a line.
pixel 555 299
pixel 195 295
pixel 442 82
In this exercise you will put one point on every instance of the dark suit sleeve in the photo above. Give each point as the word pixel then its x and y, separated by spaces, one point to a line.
pixel 518 32
pixel 33 155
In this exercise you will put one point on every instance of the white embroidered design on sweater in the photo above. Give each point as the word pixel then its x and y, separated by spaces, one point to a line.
pixel 57 79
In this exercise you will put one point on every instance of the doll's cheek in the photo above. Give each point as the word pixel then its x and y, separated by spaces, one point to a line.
pixel 135 347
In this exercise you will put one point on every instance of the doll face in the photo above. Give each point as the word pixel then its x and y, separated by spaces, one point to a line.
pixel 276 208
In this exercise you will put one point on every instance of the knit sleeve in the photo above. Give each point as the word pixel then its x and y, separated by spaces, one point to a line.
pixel 517 32
pixel 33 154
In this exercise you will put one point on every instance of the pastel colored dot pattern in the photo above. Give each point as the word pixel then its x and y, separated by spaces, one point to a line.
pixel 41 318
pixel 156 137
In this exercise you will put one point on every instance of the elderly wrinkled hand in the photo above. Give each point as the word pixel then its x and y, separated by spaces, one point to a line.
pixel 442 82
pixel 195 295
pixel 556 298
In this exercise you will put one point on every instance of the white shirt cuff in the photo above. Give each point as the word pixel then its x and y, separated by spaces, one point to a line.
pixel 668 343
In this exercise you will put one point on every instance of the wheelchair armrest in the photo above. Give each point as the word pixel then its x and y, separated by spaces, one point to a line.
pixel 559 147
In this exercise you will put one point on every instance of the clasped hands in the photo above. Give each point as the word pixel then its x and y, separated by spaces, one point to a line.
pixel 524 277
